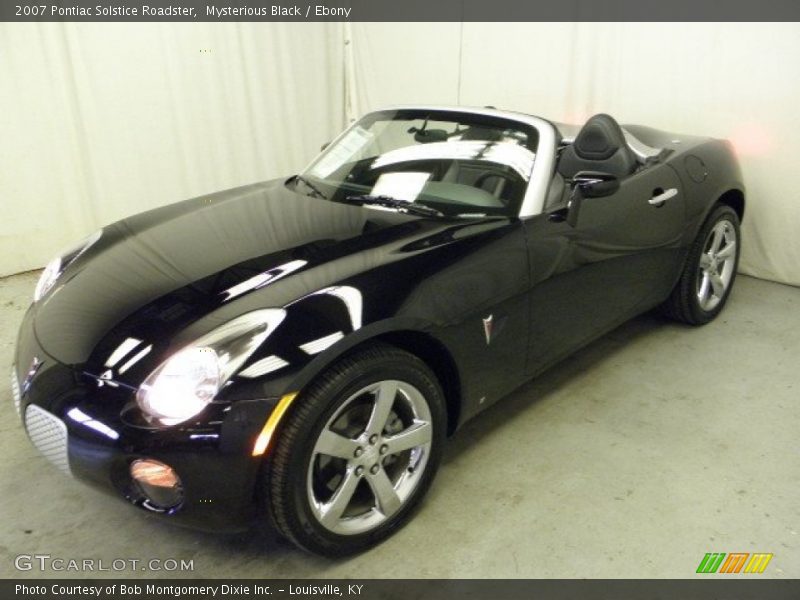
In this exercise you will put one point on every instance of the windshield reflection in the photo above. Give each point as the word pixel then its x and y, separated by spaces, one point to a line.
pixel 458 163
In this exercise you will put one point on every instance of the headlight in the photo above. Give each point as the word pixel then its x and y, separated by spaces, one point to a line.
pixel 182 386
pixel 56 266
pixel 189 380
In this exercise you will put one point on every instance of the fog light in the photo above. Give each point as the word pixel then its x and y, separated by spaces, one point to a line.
pixel 158 482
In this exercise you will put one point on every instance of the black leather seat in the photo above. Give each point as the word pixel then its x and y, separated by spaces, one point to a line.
pixel 599 146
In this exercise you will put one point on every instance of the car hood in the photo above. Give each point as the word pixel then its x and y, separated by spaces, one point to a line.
pixel 154 274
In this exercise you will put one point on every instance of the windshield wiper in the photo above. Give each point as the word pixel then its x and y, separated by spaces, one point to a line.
pixel 315 191
pixel 399 205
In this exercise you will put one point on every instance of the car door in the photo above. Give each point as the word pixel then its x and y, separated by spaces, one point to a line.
pixel 620 258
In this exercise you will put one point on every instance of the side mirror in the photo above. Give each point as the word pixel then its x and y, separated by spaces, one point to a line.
pixel 589 184
pixel 594 184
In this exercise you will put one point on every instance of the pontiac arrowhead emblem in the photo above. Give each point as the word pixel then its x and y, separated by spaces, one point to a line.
pixel 488 324
pixel 107 378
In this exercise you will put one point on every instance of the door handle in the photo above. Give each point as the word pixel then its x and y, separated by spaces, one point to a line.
pixel 663 196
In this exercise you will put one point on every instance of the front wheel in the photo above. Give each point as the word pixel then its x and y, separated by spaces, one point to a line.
pixel 710 270
pixel 358 451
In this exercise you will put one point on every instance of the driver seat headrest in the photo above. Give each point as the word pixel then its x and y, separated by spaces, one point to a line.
pixel 599 146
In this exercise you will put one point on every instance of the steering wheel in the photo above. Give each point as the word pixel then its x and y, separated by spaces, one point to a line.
pixel 502 177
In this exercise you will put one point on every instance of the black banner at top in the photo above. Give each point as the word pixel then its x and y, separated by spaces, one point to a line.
pixel 399 10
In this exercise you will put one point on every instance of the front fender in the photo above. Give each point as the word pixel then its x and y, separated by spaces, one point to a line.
pixel 320 362
pixel 434 304
pixel 315 334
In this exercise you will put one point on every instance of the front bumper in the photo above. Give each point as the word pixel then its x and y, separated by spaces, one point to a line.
pixel 80 425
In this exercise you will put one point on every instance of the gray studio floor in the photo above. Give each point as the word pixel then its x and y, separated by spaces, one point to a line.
pixel 634 458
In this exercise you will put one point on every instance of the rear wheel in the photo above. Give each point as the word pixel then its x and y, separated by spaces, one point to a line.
pixel 710 270
pixel 357 453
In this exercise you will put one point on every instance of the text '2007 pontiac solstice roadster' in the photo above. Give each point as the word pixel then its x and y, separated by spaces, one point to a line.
pixel 297 351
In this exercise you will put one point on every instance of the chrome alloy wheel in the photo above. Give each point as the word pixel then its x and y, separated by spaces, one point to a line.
pixel 369 457
pixel 717 264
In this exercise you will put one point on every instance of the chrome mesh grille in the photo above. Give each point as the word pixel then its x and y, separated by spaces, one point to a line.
pixel 49 434
pixel 15 391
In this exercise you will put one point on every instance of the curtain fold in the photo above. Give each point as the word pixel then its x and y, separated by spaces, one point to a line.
pixel 102 120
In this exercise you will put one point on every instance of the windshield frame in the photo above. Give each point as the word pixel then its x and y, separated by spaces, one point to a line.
pixel 544 161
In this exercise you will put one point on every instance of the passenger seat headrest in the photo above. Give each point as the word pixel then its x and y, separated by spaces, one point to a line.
pixel 599 146
pixel 599 138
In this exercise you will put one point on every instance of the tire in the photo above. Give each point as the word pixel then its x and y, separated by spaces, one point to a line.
pixel 332 447
pixel 710 270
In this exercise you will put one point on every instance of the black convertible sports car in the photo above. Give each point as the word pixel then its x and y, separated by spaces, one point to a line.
pixel 297 351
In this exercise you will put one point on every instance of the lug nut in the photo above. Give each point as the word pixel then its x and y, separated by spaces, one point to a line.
pixel 384 449
pixel 374 469
pixel 359 471
pixel 359 451
pixel 373 439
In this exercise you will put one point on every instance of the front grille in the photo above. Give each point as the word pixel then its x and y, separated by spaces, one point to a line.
pixel 49 434
pixel 15 389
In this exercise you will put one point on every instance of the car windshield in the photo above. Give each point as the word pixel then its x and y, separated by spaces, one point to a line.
pixel 448 163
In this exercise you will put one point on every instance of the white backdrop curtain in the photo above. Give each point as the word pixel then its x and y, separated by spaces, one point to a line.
pixel 736 81
pixel 100 121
